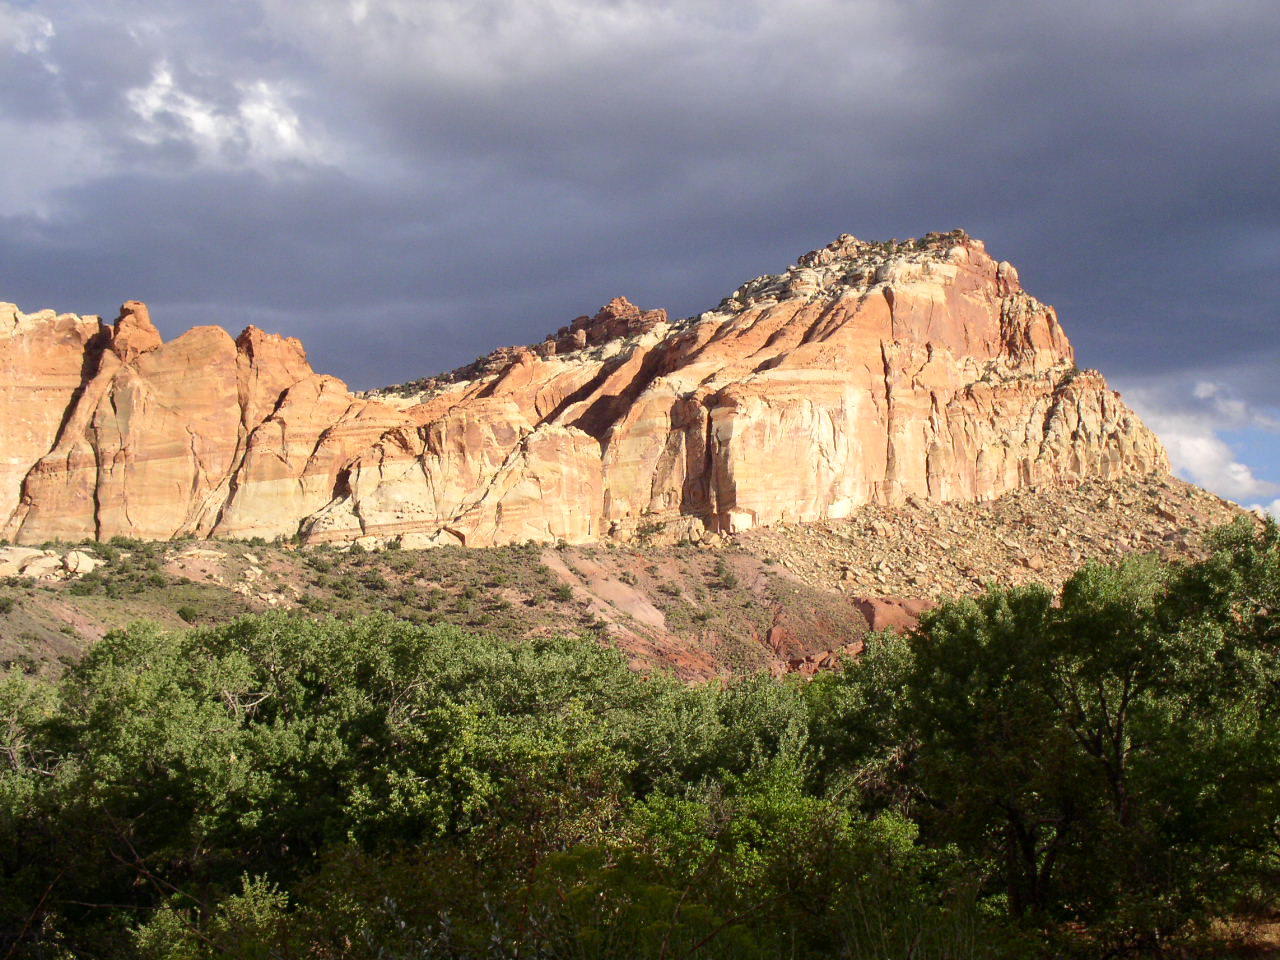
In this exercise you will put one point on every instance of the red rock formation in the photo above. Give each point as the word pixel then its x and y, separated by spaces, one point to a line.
pixel 892 613
pixel 159 440
pixel 866 373
pixel 617 318
pixel 42 361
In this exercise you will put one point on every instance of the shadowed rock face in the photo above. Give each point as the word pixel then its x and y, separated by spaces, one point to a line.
pixel 865 373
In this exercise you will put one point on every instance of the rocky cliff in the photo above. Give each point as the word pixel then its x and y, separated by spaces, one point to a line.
pixel 867 373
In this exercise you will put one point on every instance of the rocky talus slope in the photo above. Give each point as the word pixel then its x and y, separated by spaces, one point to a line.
pixel 1032 535
pixel 866 374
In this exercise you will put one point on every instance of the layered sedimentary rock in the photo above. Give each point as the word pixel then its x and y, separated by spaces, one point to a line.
pixel 866 373
pixel 109 431
pixel 42 357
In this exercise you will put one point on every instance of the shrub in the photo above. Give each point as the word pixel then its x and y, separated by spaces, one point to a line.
pixel 374 580
pixel 649 529
pixel 725 576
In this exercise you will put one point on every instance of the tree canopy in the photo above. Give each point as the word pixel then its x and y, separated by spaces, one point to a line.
pixel 1095 772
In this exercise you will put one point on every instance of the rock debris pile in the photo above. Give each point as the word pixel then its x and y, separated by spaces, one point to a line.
pixel 931 551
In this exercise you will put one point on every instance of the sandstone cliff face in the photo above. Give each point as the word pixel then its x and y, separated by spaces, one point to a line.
pixel 42 359
pixel 111 431
pixel 867 373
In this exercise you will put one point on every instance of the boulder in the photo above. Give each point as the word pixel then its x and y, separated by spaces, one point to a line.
pixel 12 559
pixel 45 567
pixel 78 562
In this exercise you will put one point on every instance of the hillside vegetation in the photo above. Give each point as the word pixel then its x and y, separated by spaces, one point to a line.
pixel 1095 773
pixel 699 611
pixel 777 600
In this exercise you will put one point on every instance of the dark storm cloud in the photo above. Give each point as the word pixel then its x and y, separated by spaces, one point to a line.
pixel 405 185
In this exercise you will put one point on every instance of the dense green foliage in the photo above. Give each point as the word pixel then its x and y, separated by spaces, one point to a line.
pixel 1096 773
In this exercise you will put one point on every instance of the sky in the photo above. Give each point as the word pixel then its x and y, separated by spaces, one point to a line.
pixel 407 184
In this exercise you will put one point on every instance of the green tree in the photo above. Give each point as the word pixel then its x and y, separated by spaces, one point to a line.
pixel 1109 757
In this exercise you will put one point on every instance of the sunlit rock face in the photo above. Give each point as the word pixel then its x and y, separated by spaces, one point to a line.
pixel 865 373
pixel 109 431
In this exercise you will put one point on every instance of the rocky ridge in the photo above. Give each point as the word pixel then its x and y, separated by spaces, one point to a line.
pixel 865 374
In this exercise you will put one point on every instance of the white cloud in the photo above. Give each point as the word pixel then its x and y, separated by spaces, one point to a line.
pixel 479 42
pixel 272 128
pixel 1196 449
pixel 1189 427
pixel 24 31
pixel 1272 508
pixel 477 49
pixel 261 128
pixel 1232 411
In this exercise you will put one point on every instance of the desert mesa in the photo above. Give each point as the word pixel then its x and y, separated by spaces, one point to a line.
pixel 865 373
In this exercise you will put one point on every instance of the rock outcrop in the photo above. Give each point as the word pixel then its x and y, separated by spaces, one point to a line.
pixel 867 373
pixel 109 431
